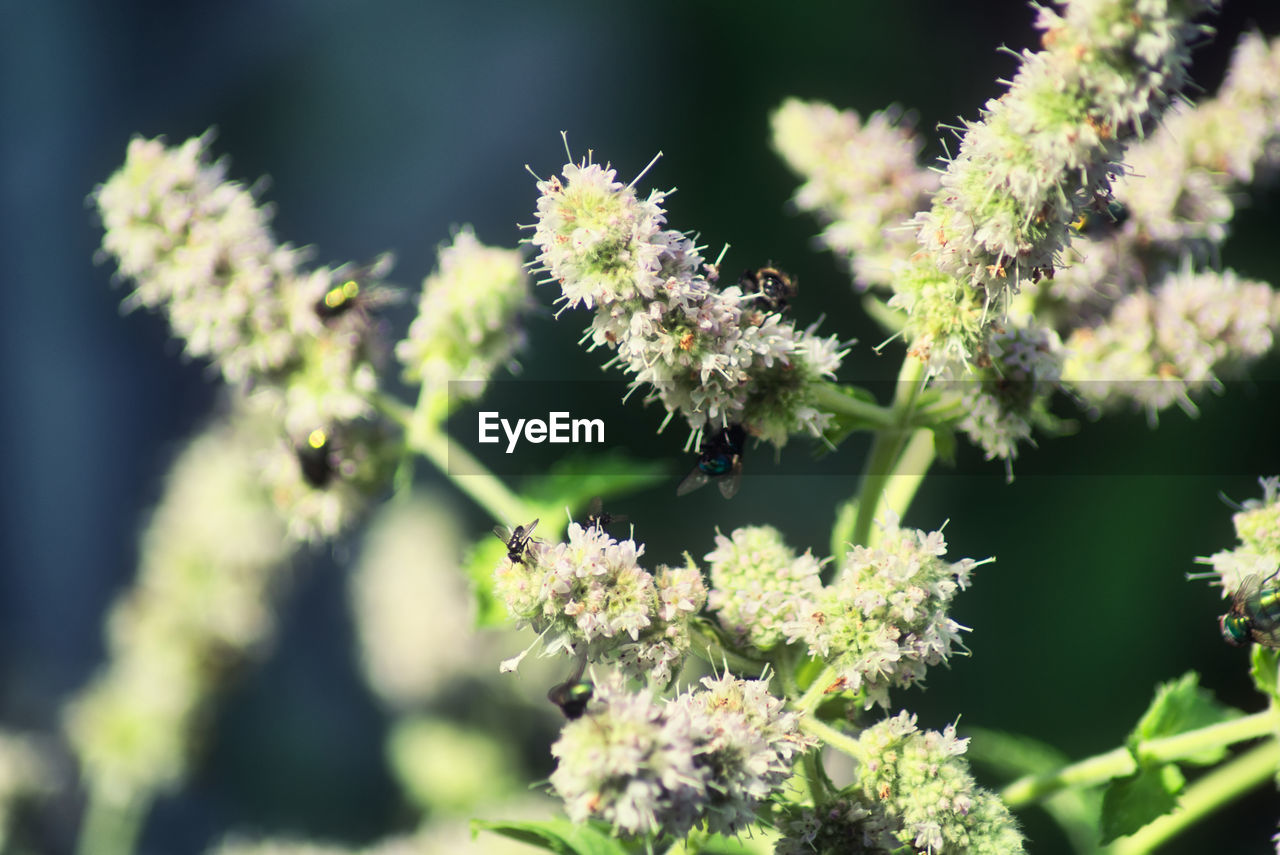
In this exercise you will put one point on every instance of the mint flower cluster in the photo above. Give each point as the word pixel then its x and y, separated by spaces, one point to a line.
pixel 712 354
pixel 708 757
pixel 1160 348
pixel 879 623
pixel 466 326
pixel 760 588
pixel 211 558
pixel 199 248
pixel 1257 527
pixel 1041 153
pixel 862 180
pixel 913 790
pixel 301 347
pixel 591 597
pixel 1141 323
pixel 1057 251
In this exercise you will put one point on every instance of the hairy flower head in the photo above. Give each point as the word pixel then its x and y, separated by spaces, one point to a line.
pixel 1040 154
pixel 466 325
pixel 709 354
pixel 210 560
pixel 710 756
pixel 759 586
pixel 861 178
pixel 590 595
pixel 921 784
pixel 1160 347
pixel 884 618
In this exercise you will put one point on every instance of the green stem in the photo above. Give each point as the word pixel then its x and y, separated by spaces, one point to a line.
pixel 842 742
pixel 424 435
pixel 829 397
pixel 817 691
pixel 480 484
pixel 886 447
pixel 814 777
pixel 909 472
pixel 1120 761
pixel 110 827
pixel 1204 796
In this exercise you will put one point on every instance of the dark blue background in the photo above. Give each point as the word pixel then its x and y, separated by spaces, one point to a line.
pixel 382 124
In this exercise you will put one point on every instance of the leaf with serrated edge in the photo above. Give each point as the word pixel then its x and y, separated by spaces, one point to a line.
pixel 1132 802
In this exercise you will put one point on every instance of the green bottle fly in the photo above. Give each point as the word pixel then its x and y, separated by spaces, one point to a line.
pixel 1255 612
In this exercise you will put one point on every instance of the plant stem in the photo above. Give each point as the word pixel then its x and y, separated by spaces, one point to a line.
pixel 886 447
pixel 424 435
pixel 480 484
pixel 829 397
pixel 836 739
pixel 813 776
pixel 909 472
pixel 817 691
pixel 1206 794
pixel 1120 761
pixel 110 827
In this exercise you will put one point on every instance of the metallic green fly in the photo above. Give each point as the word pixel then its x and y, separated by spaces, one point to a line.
pixel 1255 612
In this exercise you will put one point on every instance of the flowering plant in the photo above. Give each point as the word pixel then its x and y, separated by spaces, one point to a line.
pixel 749 698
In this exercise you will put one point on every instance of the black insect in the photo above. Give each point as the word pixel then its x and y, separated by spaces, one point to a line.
pixel 573 695
pixel 1101 221
pixel 315 459
pixel 355 295
pixel 720 456
pixel 598 517
pixel 774 289
pixel 516 539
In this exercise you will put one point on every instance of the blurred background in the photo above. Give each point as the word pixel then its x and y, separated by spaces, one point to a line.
pixel 384 124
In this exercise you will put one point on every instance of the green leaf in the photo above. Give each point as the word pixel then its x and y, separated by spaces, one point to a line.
pixel 555 835
pixel 1263 669
pixel 1132 802
pixel 1179 706
pixel 576 479
pixel 702 843
pixel 944 444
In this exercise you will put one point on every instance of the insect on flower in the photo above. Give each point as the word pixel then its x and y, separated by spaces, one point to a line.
pixel 354 294
pixel 315 459
pixel 573 695
pixel 774 289
pixel 1102 220
pixel 516 539
pixel 1255 612
pixel 598 517
pixel 719 457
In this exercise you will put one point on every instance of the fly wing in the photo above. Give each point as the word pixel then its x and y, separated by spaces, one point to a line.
pixel 695 479
pixel 503 533
pixel 730 482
